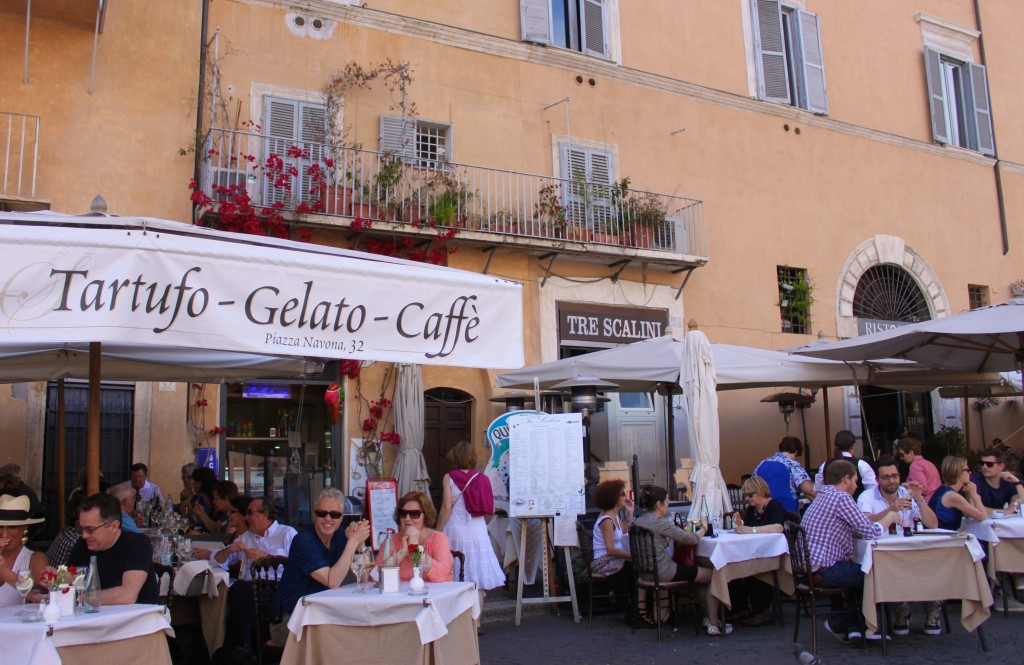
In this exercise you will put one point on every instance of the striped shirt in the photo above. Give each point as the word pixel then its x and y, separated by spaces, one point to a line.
pixel 831 522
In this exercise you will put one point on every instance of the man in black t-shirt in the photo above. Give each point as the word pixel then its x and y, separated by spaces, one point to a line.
pixel 125 559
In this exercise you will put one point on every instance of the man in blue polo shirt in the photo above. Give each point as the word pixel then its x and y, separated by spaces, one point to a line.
pixel 997 487
pixel 320 558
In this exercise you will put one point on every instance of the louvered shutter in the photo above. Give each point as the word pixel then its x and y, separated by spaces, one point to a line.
pixel 574 168
pixel 936 95
pixel 535 21
pixel 313 136
pixel 281 124
pixel 600 190
pixel 593 22
pixel 398 135
pixel 813 65
pixel 982 112
pixel 773 84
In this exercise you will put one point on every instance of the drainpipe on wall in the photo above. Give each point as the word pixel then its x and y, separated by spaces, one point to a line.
pixel 197 170
pixel 996 168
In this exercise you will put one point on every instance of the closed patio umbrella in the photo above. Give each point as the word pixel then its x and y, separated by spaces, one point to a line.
pixel 697 378
pixel 410 467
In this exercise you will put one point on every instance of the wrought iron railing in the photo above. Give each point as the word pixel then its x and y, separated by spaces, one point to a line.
pixel 378 186
pixel 19 150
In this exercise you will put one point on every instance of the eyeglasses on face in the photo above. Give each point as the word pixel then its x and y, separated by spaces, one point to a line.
pixel 335 514
pixel 747 495
pixel 989 464
pixel 89 530
pixel 253 511
pixel 890 476
pixel 967 469
pixel 412 514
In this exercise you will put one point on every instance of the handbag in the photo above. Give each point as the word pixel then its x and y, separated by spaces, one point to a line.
pixel 683 554
pixel 479 503
pixel 606 564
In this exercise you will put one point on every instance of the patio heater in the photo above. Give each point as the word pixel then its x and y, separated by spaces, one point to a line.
pixel 516 400
pixel 583 391
pixel 788 403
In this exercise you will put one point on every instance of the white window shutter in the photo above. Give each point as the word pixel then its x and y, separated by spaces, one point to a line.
pixel 814 67
pixel 313 136
pixel 600 189
pixel 936 95
pixel 281 127
pixel 574 169
pixel 594 22
pixel 588 194
pixel 773 84
pixel 982 111
pixel 535 21
pixel 398 135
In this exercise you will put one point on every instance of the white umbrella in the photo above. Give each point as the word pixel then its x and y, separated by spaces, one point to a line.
pixel 131 362
pixel 988 339
pixel 697 378
pixel 410 467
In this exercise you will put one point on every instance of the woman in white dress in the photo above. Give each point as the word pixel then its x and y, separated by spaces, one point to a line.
pixel 15 558
pixel 466 531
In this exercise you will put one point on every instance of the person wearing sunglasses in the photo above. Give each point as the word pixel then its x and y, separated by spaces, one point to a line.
pixel 957 496
pixel 752 598
pixel 997 487
pixel 320 557
pixel 416 518
pixel 124 558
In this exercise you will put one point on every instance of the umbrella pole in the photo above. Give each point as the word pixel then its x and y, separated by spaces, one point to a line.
pixel 61 461
pixel 92 440
pixel 670 425
pixel 864 424
pixel 807 444
pixel 967 423
pixel 828 420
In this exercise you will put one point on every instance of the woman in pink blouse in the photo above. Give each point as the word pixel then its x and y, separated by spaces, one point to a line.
pixel 416 518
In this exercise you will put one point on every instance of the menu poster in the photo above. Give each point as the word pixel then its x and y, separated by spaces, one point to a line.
pixel 546 465
pixel 381 502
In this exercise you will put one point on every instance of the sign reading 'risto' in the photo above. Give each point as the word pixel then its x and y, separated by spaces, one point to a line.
pixel 84 284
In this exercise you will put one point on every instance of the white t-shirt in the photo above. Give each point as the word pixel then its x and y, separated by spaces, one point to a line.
pixel 871 502
pixel 867 474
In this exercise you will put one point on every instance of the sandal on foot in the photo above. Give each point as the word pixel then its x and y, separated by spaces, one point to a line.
pixel 717 631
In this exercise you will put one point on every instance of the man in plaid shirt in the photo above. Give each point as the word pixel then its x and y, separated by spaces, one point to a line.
pixel 831 522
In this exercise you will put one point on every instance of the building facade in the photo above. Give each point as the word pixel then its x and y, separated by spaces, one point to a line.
pixel 782 168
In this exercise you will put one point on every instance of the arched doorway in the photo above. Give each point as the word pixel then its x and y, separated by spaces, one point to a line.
pixel 446 421
pixel 889 295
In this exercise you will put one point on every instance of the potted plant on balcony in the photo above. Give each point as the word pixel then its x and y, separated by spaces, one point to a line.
pixel 448 199
pixel 550 212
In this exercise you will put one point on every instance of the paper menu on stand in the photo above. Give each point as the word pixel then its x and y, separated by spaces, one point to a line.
pixel 546 465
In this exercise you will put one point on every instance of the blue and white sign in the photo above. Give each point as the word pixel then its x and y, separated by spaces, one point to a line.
pixel 498 466
pixel 208 457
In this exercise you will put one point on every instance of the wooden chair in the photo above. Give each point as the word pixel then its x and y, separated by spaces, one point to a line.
pixel 586 540
pixel 807 589
pixel 461 558
pixel 159 569
pixel 266 575
pixel 645 577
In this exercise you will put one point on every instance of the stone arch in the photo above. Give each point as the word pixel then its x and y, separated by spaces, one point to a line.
pixel 878 250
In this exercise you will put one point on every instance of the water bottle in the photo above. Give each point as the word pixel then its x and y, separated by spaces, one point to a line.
pixel 92 587
pixel 169 508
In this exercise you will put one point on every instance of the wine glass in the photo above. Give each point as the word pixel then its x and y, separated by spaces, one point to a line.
pixel 358 566
pixel 24 585
pixel 368 564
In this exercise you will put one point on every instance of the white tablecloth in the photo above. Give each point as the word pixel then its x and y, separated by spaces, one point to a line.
pixel 939 538
pixel 344 606
pixel 991 530
pixel 28 643
pixel 731 547
pixel 188 572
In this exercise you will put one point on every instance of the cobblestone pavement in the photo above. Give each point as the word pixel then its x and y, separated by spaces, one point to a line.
pixel 543 639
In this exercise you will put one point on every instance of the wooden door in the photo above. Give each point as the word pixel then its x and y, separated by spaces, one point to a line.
pixel 446 421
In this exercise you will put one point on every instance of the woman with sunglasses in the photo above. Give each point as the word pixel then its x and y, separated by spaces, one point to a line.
pixel 320 557
pixel 16 560
pixel 957 496
pixel 416 518
pixel 763 515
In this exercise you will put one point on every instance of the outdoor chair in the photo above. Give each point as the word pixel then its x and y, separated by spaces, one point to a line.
pixel 586 540
pixel 806 588
pixel 461 558
pixel 159 569
pixel 645 577
pixel 266 574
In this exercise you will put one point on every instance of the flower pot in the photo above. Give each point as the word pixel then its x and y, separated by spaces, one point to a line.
pixel 607 238
pixel 643 237
pixel 416 584
pixel 336 199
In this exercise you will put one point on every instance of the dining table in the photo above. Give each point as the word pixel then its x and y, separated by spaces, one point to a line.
pixel 115 634
pixel 201 588
pixel 934 564
pixel 734 556
pixel 1004 534
pixel 437 627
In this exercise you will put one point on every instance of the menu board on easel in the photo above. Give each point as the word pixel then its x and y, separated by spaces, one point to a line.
pixel 381 502
pixel 546 465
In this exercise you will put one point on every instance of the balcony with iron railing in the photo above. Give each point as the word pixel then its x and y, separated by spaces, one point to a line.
pixel 19 159
pixel 415 195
